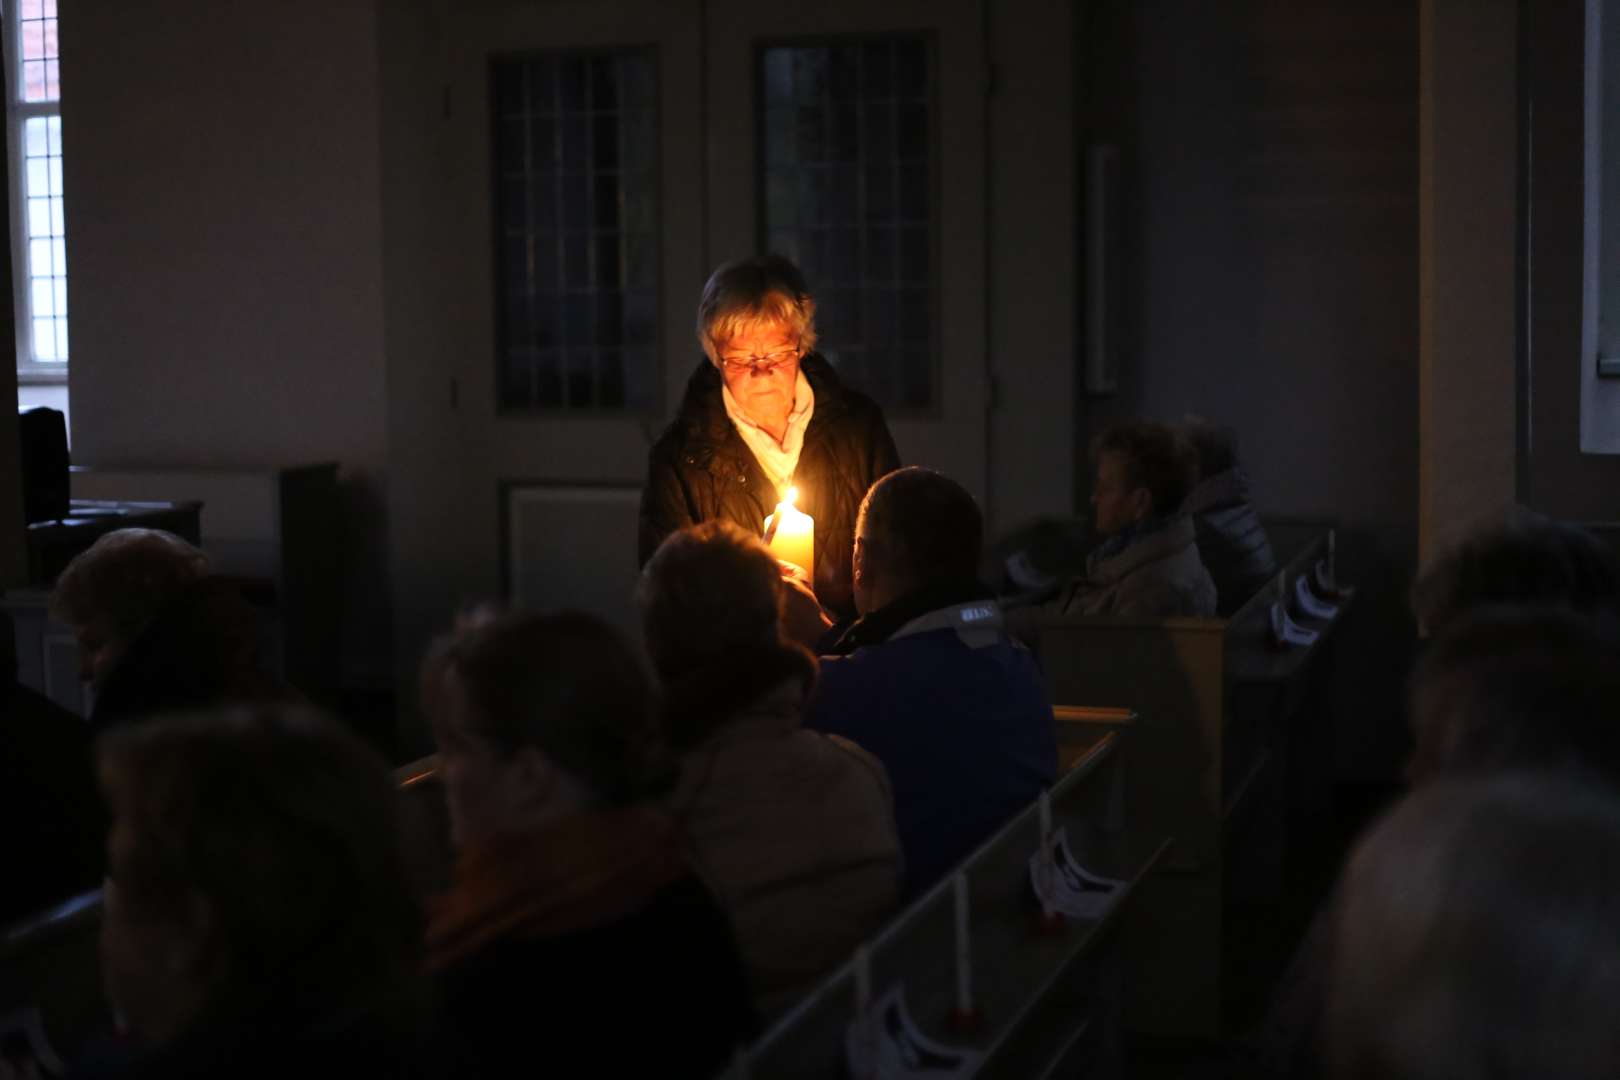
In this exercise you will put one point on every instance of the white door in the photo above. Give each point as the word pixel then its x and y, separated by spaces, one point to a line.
pixel 576 191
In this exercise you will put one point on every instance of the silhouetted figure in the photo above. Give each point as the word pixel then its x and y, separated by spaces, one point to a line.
pixel 1519 688
pixel 574 933
pixel 1527 561
pixel 794 828
pixel 258 920
pixel 1232 543
pixel 156 633
pixel 928 680
pixel 1500 689
pixel 1478 935
pixel 763 411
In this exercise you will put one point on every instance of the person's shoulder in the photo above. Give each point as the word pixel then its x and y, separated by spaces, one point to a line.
pixel 863 760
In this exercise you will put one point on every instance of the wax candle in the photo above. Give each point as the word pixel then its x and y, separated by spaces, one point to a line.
pixel 964 951
pixel 792 535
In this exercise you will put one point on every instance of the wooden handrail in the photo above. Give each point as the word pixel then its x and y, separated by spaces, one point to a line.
pixel 68 913
pixel 1093 714
pixel 416 772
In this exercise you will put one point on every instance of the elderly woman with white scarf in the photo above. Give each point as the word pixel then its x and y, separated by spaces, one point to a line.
pixel 762 413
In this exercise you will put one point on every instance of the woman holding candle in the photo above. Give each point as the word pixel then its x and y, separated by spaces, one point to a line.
pixel 762 414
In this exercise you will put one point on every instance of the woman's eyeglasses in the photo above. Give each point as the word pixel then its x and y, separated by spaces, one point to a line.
pixel 761 365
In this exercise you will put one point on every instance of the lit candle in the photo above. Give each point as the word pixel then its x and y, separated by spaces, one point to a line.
pixel 791 536
pixel 964 952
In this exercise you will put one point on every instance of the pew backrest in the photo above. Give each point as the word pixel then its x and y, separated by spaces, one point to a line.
pixel 1017 973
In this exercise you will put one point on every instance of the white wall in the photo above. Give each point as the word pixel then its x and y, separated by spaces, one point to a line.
pixel 1272 167
pixel 1034 276
pixel 224 222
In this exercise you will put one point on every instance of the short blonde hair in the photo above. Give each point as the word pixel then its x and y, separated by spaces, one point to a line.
pixel 125 579
pixel 764 289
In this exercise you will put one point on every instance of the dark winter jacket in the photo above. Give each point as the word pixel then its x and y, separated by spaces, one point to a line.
pixel 202 651
pixel 48 794
pixel 587 947
pixel 1231 541
pixel 270 1046
pixel 701 469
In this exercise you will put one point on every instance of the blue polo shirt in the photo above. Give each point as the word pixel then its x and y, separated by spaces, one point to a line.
pixel 959 715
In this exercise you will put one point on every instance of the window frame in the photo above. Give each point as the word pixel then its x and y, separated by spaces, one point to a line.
pixel 18 113
pixel 653 406
pixel 935 408
pixel 1599 385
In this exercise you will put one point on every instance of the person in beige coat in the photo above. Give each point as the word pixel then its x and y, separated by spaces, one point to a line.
pixel 1148 564
pixel 793 829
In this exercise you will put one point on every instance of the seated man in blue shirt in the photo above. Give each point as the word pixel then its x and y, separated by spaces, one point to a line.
pixel 928 680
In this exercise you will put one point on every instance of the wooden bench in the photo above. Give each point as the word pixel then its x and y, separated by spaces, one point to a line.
pixel 50 962
pixel 1219 727
pixel 1049 1002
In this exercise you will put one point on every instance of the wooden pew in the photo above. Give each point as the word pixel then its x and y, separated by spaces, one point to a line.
pixel 1219 728
pixel 1049 1003
pixel 50 962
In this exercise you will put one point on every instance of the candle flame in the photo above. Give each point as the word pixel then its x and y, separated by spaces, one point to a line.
pixel 790 497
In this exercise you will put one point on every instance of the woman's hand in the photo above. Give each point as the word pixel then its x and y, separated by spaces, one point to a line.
pixel 803 620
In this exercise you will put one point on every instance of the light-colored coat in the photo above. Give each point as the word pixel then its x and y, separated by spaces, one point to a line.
pixel 1160 574
pixel 794 830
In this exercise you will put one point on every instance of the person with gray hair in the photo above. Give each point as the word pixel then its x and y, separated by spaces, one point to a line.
pixel 765 412
pixel 157 632
pixel 1478 935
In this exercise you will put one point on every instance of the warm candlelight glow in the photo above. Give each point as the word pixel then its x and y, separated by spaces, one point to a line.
pixel 791 535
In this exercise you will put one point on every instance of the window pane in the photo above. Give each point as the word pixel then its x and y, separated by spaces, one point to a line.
pixel 848 160
pixel 44 340
pixel 577 221
pixel 38 50
pixel 45 299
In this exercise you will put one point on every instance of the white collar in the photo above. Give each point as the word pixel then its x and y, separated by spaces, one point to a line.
pixel 779 459
pixel 978 623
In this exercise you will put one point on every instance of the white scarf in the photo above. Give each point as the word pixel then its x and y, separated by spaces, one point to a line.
pixel 779 460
